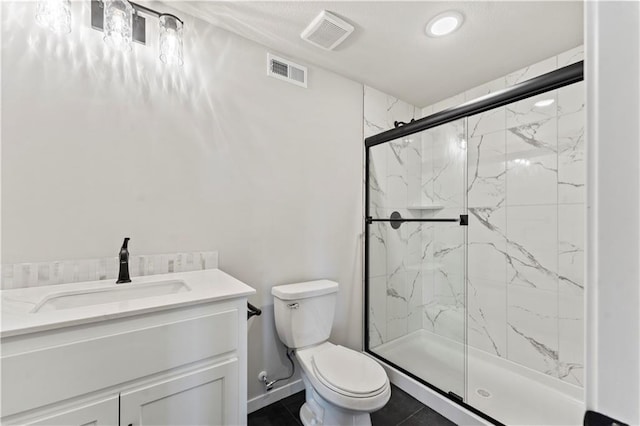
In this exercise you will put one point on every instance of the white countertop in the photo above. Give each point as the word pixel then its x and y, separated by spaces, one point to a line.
pixel 18 304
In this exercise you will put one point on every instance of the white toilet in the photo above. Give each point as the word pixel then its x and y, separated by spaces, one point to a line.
pixel 342 386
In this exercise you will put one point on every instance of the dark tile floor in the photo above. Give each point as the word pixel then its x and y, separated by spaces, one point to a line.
pixel 402 409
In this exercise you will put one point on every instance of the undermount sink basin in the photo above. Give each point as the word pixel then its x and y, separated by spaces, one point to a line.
pixel 119 293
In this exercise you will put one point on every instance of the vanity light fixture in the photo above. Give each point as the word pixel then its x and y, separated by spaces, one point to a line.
pixel 54 15
pixel 118 24
pixel 122 23
pixel 544 103
pixel 170 39
pixel 444 23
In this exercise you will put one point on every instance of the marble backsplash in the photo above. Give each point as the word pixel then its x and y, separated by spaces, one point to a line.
pixel 69 271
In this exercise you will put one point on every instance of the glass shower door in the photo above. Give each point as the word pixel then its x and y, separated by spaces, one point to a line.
pixel 416 255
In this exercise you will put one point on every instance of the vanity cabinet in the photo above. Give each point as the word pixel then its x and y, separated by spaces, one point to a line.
pixel 195 398
pixel 179 365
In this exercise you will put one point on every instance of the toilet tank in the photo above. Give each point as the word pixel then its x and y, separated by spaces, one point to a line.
pixel 304 312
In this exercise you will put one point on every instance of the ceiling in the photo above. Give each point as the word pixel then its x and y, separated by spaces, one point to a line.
pixel 389 50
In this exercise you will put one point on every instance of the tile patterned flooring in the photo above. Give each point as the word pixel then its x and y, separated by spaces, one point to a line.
pixel 402 409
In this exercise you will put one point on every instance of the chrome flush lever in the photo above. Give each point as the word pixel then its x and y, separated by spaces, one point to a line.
pixel 293 305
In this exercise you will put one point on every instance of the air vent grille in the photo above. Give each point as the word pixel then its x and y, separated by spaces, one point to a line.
pixel 286 70
pixel 279 68
pixel 297 74
pixel 327 31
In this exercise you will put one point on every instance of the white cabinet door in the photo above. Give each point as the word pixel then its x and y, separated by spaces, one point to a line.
pixel 101 413
pixel 208 396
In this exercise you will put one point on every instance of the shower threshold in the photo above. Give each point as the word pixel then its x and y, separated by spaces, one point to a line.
pixel 508 392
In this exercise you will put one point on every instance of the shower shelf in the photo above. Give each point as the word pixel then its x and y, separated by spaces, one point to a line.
pixel 425 207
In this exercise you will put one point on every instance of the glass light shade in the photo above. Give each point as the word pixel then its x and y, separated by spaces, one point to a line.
pixel 54 15
pixel 171 40
pixel 118 24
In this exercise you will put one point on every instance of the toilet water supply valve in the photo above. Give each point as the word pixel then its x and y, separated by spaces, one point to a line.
pixel 268 384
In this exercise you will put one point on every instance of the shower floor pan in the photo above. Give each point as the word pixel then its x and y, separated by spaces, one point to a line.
pixel 508 392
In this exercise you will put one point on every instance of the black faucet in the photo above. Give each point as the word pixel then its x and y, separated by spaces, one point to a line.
pixel 123 274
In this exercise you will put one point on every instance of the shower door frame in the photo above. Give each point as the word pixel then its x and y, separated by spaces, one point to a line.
pixel 561 77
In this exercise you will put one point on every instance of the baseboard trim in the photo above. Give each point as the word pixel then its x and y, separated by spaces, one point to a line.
pixel 260 401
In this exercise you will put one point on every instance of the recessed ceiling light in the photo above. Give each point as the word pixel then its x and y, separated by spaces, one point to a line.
pixel 444 23
pixel 544 103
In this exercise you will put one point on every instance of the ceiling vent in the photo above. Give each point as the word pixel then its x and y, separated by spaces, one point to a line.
pixel 286 70
pixel 327 31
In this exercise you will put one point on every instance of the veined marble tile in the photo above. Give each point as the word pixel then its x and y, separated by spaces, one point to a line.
pixel 532 163
pixel 378 249
pixel 413 233
pixel 69 271
pixel 571 98
pixel 451 102
pixel 449 240
pixel 377 310
pixel 377 179
pixel 571 56
pixel 487 247
pixel 427 264
pixel 571 158
pixel 485 89
pixel 449 286
pixel 532 332
pixel 427 172
pixel 414 170
pixel 487 313
pixel 486 176
pixel 381 110
pixel 414 297
pixel 397 303
pixel 397 244
pixel 533 109
pixel 571 363
pixel 486 278
pixel 448 160
pixel 571 230
pixel 487 122
pixel 448 319
pixel 532 247
pixel 531 71
pixel 397 173
pixel 571 334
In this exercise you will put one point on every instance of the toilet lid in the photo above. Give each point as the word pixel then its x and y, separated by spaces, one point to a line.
pixel 349 371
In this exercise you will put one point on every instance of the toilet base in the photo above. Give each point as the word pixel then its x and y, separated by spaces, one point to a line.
pixel 317 411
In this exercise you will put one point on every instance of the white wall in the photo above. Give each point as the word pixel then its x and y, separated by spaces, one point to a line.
pixel 613 209
pixel 214 156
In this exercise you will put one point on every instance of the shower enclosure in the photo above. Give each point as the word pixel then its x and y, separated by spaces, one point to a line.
pixel 473 253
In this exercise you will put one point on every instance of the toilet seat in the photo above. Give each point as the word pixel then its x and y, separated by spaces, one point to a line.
pixel 321 372
pixel 348 372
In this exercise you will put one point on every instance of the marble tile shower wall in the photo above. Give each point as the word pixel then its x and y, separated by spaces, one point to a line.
pixel 68 271
pixel 443 195
pixel 525 185
pixel 395 286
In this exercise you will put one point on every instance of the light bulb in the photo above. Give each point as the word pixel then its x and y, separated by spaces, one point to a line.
pixel 118 24
pixel 54 15
pixel 171 40
pixel 444 23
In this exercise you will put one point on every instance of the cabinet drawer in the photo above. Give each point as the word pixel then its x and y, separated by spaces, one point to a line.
pixel 40 377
